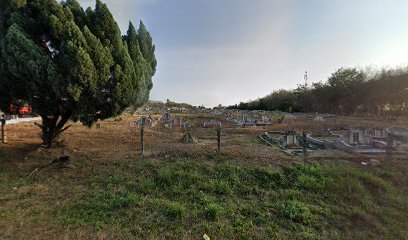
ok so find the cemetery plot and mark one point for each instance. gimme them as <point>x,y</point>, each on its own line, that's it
<point>107,171</point>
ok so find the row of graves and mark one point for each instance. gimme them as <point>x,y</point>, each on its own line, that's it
<point>359,139</point>
<point>234,117</point>
<point>146,121</point>
<point>167,120</point>
<point>289,142</point>
<point>378,140</point>
<point>170,121</point>
<point>249,119</point>
<point>178,121</point>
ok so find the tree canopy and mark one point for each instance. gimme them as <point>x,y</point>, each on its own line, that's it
<point>347,91</point>
<point>68,63</point>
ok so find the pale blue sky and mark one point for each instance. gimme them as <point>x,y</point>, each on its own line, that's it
<point>227,51</point>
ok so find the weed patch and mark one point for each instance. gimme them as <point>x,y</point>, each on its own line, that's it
<point>308,201</point>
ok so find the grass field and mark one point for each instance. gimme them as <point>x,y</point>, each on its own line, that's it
<point>183,191</point>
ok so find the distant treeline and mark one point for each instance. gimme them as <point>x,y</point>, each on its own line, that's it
<point>167,104</point>
<point>347,91</point>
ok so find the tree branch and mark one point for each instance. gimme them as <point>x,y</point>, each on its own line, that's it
<point>66,128</point>
<point>64,119</point>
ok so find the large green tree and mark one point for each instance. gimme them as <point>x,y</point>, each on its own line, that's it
<point>347,91</point>
<point>71,64</point>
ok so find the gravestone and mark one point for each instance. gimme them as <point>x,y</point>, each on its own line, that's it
<point>188,138</point>
<point>291,139</point>
<point>178,121</point>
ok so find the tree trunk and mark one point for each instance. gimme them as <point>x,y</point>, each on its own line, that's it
<point>52,128</point>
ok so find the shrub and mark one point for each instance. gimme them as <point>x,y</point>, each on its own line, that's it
<point>213,211</point>
<point>175,210</point>
<point>264,178</point>
<point>222,188</point>
<point>295,211</point>
<point>146,186</point>
<point>308,182</point>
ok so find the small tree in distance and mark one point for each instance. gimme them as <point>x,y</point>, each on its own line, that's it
<point>71,64</point>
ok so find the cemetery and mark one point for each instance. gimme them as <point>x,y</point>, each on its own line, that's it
<point>359,140</point>
<point>290,142</point>
<point>235,145</point>
<point>148,121</point>
<point>151,143</point>
<point>333,133</point>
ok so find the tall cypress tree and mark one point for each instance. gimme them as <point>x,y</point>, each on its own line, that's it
<point>67,63</point>
<point>139,63</point>
<point>147,48</point>
<point>78,12</point>
<point>3,7</point>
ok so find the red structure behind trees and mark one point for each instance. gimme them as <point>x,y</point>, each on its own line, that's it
<point>20,110</point>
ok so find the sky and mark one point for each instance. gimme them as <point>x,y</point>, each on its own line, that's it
<point>214,52</point>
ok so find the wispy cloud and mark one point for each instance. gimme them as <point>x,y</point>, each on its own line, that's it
<point>227,51</point>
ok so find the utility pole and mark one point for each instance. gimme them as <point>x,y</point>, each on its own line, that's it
<point>306,78</point>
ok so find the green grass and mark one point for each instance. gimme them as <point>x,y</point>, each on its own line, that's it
<point>186,199</point>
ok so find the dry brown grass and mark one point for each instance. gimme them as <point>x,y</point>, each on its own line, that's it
<point>117,144</point>
<point>117,140</point>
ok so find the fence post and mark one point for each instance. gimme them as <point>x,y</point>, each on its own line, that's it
<point>304,141</point>
<point>219,139</point>
<point>142,135</point>
<point>3,131</point>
